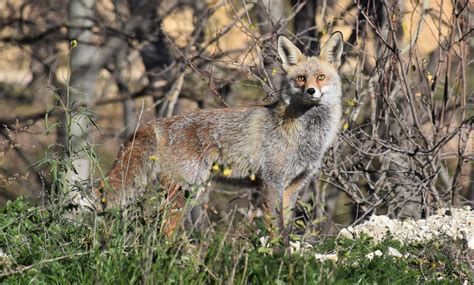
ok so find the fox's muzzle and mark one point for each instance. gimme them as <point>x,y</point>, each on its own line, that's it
<point>313,94</point>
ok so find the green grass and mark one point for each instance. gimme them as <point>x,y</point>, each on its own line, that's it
<point>43,247</point>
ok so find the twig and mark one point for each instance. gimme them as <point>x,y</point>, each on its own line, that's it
<point>22,269</point>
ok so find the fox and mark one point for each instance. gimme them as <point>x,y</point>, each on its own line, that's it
<point>278,148</point>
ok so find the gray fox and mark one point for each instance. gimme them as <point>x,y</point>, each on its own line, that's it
<point>278,147</point>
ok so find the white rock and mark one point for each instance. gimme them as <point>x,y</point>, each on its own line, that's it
<point>470,241</point>
<point>346,233</point>
<point>441,211</point>
<point>5,259</point>
<point>457,226</point>
<point>394,252</point>
<point>324,257</point>
<point>297,246</point>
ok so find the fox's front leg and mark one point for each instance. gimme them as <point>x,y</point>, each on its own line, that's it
<point>290,195</point>
<point>272,207</point>
<point>279,203</point>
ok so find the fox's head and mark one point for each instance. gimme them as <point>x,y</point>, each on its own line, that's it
<point>312,80</point>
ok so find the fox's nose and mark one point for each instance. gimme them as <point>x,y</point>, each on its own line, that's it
<point>310,91</point>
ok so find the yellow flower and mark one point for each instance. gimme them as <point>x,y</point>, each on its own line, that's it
<point>227,171</point>
<point>215,167</point>
<point>252,177</point>
<point>153,158</point>
<point>429,76</point>
<point>345,126</point>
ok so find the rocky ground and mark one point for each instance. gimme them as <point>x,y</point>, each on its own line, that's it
<point>451,224</point>
<point>454,226</point>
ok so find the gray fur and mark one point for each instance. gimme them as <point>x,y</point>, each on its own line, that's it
<point>282,144</point>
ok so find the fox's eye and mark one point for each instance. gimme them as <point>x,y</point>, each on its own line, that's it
<point>321,77</point>
<point>300,78</point>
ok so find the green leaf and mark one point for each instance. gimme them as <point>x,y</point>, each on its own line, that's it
<point>266,250</point>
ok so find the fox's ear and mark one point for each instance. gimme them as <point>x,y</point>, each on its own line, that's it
<point>289,53</point>
<point>332,49</point>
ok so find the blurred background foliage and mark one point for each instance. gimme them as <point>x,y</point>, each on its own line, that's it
<point>406,144</point>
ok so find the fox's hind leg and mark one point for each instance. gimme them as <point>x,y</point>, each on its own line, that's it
<point>183,209</point>
<point>173,212</point>
<point>272,206</point>
<point>185,200</point>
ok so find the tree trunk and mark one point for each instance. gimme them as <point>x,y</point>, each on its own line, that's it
<point>82,83</point>
<point>86,62</point>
